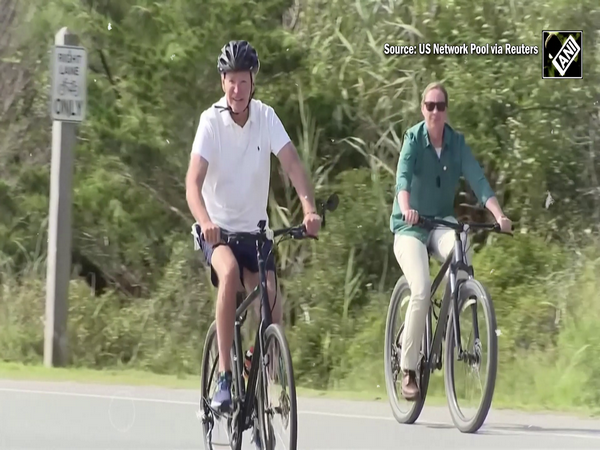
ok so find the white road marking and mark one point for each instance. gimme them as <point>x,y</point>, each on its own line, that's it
<point>108,397</point>
<point>317,413</point>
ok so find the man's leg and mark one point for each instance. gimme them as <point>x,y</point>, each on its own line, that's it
<point>412,257</point>
<point>275,297</point>
<point>225,267</point>
<point>251,280</point>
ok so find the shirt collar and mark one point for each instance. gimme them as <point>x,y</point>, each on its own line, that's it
<point>447,135</point>
<point>226,115</point>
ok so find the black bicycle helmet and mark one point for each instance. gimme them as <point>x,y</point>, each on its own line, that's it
<point>238,56</point>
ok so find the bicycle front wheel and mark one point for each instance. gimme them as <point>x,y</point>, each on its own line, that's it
<point>218,429</point>
<point>475,309</point>
<point>208,380</point>
<point>280,406</point>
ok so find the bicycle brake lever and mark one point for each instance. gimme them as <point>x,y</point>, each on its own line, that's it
<point>297,234</point>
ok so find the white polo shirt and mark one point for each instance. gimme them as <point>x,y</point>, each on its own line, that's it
<point>236,187</point>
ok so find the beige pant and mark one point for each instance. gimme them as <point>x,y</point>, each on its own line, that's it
<point>412,256</point>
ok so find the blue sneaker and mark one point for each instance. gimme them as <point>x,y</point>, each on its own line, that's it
<point>222,397</point>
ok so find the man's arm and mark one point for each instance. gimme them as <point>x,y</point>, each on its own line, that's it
<point>284,149</point>
<point>203,150</point>
<point>293,167</point>
<point>193,188</point>
<point>475,176</point>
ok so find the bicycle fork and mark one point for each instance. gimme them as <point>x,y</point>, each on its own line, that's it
<point>249,390</point>
<point>455,312</point>
<point>238,361</point>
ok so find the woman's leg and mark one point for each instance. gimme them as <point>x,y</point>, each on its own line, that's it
<point>412,257</point>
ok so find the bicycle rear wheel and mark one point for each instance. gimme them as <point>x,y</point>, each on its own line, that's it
<point>404,411</point>
<point>280,408</point>
<point>471,294</point>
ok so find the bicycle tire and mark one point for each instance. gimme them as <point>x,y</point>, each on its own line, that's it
<point>207,414</point>
<point>275,331</point>
<point>468,289</point>
<point>237,377</point>
<point>262,420</point>
<point>205,398</point>
<point>260,411</point>
<point>417,406</point>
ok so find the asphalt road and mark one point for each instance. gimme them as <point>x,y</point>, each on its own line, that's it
<point>43,415</point>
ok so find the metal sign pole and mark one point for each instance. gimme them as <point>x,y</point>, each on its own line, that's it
<point>68,107</point>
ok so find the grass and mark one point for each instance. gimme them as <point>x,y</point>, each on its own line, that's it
<point>37,372</point>
<point>34,372</point>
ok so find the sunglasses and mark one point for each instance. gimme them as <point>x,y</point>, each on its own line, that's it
<point>441,106</point>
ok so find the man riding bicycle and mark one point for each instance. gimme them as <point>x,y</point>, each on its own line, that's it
<point>227,187</point>
<point>432,159</point>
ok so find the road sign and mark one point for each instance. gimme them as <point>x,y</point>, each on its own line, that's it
<point>69,83</point>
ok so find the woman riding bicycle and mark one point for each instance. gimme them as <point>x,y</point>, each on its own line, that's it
<point>433,158</point>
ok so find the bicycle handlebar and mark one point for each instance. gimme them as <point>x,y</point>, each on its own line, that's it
<point>460,226</point>
<point>296,232</point>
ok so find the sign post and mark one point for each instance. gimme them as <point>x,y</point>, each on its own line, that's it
<point>68,107</point>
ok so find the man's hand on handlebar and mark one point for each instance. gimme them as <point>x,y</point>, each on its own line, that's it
<point>211,233</point>
<point>312,224</point>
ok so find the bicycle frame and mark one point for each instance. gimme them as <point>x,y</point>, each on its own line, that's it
<point>246,393</point>
<point>265,320</point>
<point>456,261</point>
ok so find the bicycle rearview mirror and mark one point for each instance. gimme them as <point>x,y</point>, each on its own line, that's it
<point>332,202</point>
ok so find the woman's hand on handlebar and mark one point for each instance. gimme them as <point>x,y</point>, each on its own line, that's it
<point>411,217</point>
<point>505,224</point>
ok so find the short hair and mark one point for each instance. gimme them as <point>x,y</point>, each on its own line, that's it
<point>432,86</point>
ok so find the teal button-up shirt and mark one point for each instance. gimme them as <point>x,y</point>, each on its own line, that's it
<point>432,181</point>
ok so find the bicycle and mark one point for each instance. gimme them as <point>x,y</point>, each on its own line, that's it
<point>457,296</point>
<point>249,401</point>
